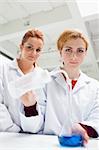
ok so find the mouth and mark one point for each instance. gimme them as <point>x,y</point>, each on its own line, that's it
<point>31,57</point>
<point>71,62</point>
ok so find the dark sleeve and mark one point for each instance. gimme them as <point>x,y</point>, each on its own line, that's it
<point>31,110</point>
<point>90,131</point>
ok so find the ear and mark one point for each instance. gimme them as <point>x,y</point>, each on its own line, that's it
<point>60,52</point>
<point>86,53</point>
<point>21,47</point>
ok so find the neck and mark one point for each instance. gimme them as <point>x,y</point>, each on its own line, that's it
<point>72,73</point>
<point>25,66</point>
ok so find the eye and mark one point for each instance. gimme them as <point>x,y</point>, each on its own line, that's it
<point>81,50</point>
<point>67,49</point>
<point>29,47</point>
<point>38,50</point>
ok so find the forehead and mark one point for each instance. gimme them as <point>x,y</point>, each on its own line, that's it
<point>75,42</point>
<point>35,41</point>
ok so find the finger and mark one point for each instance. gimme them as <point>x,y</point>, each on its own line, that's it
<point>86,138</point>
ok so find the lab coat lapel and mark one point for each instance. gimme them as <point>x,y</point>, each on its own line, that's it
<point>82,81</point>
<point>14,66</point>
<point>61,81</point>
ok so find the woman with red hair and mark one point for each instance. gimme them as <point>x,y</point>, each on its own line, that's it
<point>15,114</point>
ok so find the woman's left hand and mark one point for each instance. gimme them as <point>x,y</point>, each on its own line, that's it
<point>29,99</point>
<point>78,129</point>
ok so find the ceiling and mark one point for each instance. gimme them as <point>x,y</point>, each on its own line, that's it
<point>52,17</point>
<point>24,8</point>
<point>93,31</point>
<point>23,15</point>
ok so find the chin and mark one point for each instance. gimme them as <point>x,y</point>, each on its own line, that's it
<point>31,59</point>
<point>73,65</point>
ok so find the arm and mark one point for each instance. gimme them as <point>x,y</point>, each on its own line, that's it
<point>6,123</point>
<point>91,123</point>
<point>90,126</point>
<point>90,131</point>
<point>34,109</point>
<point>31,110</point>
<point>85,131</point>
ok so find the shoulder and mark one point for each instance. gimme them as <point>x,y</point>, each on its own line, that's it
<point>94,82</point>
<point>89,80</point>
<point>11,65</point>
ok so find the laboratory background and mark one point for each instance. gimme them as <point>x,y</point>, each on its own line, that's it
<point>52,17</point>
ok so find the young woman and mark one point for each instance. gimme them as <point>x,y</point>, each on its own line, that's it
<point>15,114</point>
<point>73,100</point>
<point>80,105</point>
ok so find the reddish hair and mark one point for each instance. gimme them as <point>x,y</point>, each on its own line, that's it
<point>32,33</point>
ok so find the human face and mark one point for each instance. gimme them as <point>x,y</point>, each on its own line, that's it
<point>73,53</point>
<point>31,49</point>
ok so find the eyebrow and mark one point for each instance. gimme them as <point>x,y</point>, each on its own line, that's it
<point>67,47</point>
<point>29,44</point>
<point>33,46</point>
<point>81,47</point>
<point>72,47</point>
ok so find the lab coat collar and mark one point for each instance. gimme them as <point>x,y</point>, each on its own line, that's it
<point>14,65</point>
<point>60,78</point>
<point>82,81</point>
<point>61,81</point>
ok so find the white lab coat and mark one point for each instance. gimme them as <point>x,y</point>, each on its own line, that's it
<point>82,108</point>
<point>53,104</point>
<point>12,118</point>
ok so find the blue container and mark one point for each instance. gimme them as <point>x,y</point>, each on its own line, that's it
<point>71,141</point>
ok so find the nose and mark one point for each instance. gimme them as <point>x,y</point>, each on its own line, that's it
<point>73,55</point>
<point>34,52</point>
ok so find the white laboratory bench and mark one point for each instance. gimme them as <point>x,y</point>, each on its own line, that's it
<point>21,141</point>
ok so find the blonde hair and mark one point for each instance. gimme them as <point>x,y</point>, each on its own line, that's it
<point>68,35</point>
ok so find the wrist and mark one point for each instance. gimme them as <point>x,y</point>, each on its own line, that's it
<point>31,110</point>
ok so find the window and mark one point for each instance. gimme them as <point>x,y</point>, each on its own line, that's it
<point>88,7</point>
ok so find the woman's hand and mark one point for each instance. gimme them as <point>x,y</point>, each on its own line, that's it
<point>29,99</point>
<point>78,129</point>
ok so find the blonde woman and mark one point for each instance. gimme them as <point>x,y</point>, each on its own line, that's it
<point>83,107</point>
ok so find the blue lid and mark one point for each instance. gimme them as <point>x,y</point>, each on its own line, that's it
<point>71,141</point>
